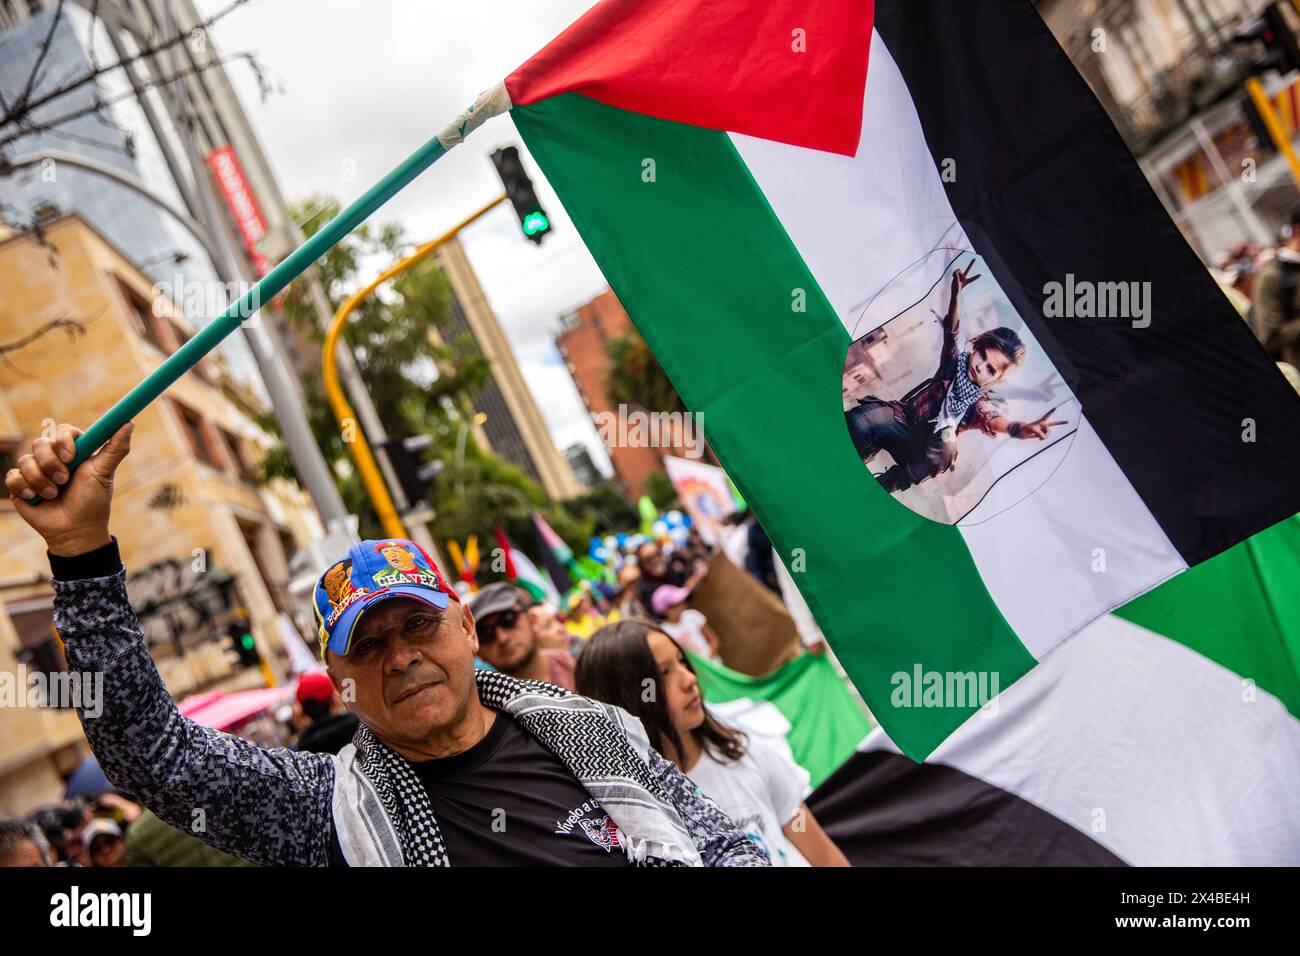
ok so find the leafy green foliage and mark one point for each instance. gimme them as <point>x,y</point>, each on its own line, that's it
<point>635,377</point>
<point>661,491</point>
<point>421,385</point>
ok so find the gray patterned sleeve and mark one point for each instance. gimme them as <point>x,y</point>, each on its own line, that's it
<point>268,806</point>
<point>719,841</point>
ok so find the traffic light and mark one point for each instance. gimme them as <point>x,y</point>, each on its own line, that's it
<point>519,190</point>
<point>1276,45</point>
<point>241,641</point>
<point>413,474</point>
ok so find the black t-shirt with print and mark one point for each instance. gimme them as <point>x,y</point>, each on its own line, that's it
<point>508,801</point>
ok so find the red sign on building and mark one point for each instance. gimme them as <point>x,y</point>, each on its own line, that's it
<point>242,204</point>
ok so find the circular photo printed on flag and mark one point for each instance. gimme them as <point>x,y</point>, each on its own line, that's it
<point>949,399</point>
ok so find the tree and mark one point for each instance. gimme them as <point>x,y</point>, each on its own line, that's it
<point>661,491</point>
<point>420,386</point>
<point>390,336</point>
<point>607,506</point>
<point>635,377</point>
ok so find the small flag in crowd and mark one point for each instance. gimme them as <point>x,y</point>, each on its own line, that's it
<point>900,288</point>
<point>520,570</point>
<point>556,555</point>
<point>465,561</point>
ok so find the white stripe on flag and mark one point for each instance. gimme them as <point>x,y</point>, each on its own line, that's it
<point>1156,752</point>
<point>860,222</point>
<point>525,570</point>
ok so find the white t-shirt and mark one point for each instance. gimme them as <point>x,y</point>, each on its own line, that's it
<point>760,792</point>
<point>689,632</point>
<point>735,545</point>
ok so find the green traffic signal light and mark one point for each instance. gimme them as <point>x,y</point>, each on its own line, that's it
<point>535,223</point>
<point>247,641</point>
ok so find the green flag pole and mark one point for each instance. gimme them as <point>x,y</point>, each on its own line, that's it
<point>488,104</point>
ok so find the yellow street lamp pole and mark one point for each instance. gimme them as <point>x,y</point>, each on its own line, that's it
<point>357,445</point>
<point>1264,106</point>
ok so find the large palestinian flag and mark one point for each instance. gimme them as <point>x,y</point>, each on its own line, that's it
<point>940,331</point>
<point>1166,734</point>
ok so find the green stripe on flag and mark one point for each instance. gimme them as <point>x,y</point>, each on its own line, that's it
<point>1241,609</point>
<point>711,279</point>
<point>826,722</point>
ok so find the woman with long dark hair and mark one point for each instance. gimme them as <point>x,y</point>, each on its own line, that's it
<point>638,667</point>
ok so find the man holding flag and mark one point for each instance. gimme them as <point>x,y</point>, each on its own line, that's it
<point>444,754</point>
<point>754,179</point>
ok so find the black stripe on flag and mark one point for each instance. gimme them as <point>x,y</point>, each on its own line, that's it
<point>1046,189</point>
<point>882,809</point>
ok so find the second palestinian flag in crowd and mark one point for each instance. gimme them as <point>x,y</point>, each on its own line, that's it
<point>521,572</point>
<point>940,331</point>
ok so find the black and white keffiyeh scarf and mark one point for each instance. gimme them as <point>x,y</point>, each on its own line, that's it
<point>602,746</point>
<point>962,394</point>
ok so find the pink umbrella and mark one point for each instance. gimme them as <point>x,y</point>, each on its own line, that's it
<point>198,701</point>
<point>226,710</point>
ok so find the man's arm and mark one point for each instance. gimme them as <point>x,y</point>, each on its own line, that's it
<point>951,322</point>
<point>719,841</point>
<point>268,806</point>
<point>984,416</point>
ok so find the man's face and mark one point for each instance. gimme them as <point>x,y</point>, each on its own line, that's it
<point>987,366</point>
<point>550,632</point>
<point>399,558</point>
<point>26,854</point>
<point>409,674</point>
<point>108,850</point>
<point>509,640</point>
<point>76,847</point>
<point>651,560</point>
<point>335,577</point>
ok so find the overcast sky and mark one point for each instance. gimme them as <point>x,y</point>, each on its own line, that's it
<point>361,83</point>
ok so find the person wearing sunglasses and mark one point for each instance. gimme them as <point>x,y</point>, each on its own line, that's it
<point>507,637</point>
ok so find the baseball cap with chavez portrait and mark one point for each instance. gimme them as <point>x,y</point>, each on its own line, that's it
<point>374,571</point>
